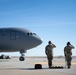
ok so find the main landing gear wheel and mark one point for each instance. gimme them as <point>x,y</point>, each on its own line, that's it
<point>21,58</point>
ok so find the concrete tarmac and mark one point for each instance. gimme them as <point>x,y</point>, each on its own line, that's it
<point>15,67</point>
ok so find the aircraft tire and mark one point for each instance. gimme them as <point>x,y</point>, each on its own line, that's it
<point>21,58</point>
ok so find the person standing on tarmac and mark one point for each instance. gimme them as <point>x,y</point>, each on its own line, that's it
<point>49,52</point>
<point>68,53</point>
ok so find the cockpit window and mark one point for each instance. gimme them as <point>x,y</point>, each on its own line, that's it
<point>28,34</point>
<point>31,33</point>
<point>34,33</point>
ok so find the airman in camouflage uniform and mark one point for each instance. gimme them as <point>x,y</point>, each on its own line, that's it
<point>68,53</point>
<point>49,53</point>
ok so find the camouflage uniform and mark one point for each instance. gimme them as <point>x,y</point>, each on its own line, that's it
<point>49,53</point>
<point>68,53</point>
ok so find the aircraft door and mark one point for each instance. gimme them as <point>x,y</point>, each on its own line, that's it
<point>13,35</point>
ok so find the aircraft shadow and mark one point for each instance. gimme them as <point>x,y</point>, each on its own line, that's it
<point>28,68</point>
<point>22,69</point>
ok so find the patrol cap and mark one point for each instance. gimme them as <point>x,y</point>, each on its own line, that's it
<point>68,43</point>
<point>49,42</point>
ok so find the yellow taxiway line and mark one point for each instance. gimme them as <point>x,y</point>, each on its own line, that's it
<point>74,63</point>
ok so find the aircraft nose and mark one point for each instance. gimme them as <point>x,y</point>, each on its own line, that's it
<point>35,40</point>
<point>39,41</point>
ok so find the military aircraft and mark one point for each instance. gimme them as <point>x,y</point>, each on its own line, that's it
<point>18,39</point>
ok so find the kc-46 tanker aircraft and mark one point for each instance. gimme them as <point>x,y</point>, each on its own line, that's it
<point>18,39</point>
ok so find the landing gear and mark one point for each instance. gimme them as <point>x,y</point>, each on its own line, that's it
<point>22,58</point>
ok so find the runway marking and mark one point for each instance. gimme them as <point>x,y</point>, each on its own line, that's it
<point>74,63</point>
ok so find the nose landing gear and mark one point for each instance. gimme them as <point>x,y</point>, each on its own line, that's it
<point>22,58</point>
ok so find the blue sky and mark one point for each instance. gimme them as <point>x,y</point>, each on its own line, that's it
<point>53,20</point>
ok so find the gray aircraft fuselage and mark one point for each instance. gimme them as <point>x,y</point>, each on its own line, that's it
<point>17,39</point>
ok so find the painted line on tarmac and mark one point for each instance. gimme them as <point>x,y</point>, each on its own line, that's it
<point>74,63</point>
